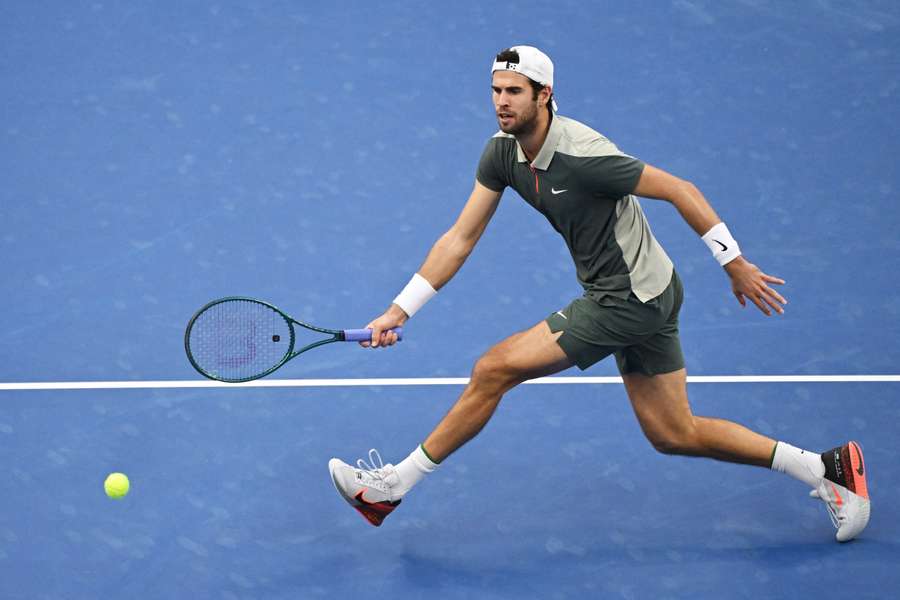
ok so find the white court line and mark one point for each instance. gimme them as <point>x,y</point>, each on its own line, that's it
<point>406,381</point>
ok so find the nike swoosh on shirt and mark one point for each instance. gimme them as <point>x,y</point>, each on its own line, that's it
<point>555,191</point>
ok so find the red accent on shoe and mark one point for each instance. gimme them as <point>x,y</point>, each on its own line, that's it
<point>374,512</point>
<point>837,495</point>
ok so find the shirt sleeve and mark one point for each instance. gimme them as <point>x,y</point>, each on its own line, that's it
<point>489,173</point>
<point>614,175</point>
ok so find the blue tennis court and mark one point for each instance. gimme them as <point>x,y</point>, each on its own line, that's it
<point>159,155</point>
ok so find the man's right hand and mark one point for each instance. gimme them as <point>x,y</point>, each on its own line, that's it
<point>381,336</point>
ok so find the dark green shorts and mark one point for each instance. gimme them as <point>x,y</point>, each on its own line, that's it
<point>642,335</point>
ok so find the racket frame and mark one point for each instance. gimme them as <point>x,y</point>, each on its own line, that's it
<point>337,335</point>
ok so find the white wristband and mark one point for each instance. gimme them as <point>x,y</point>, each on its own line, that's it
<point>414,296</point>
<point>724,247</point>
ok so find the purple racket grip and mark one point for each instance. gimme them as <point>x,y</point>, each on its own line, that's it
<point>364,335</point>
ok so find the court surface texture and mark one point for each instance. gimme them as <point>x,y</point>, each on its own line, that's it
<point>157,155</point>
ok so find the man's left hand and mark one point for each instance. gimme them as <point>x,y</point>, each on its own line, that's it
<point>747,281</point>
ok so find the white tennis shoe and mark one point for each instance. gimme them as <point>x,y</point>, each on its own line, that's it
<point>844,490</point>
<point>370,489</point>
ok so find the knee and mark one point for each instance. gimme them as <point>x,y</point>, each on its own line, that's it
<point>493,371</point>
<point>672,441</point>
<point>667,445</point>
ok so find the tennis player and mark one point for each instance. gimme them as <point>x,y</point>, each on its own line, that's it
<point>586,187</point>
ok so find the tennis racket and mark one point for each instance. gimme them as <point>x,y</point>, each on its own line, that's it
<point>240,339</point>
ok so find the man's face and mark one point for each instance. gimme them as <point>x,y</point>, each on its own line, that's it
<point>514,103</point>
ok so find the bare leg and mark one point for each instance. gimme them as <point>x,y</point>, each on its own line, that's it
<point>661,406</point>
<point>523,356</point>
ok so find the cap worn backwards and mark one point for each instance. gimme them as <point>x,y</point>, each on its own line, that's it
<point>533,64</point>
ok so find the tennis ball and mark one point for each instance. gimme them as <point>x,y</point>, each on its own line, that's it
<point>116,485</point>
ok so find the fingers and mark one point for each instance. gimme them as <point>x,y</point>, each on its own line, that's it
<point>383,339</point>
<point>770,293</point>
<point>368,343</point>
<point>757,300</point>
<point>774,304</point>
<point>774,294</point>
<point>376,335</point>
<point>381,336</point>
<point>382,328</point>
<point>754,285</point>
<point>767,298</point>
<point>388,338</point>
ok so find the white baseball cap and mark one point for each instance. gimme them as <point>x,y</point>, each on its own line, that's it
<point>533,64</point>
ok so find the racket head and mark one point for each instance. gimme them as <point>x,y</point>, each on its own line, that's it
<point>238,339</point>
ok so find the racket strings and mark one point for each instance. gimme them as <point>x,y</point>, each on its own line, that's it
<point>239,339</point>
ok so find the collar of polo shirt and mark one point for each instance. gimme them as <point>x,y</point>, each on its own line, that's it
<point>551,143</point>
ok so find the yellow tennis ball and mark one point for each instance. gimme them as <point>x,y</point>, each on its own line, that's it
<point>116,485</point>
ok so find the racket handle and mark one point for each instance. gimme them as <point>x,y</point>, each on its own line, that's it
<point>364,335</point>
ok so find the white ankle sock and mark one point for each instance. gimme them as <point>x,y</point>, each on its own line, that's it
<point>800,464</point>
<point>412,470</point>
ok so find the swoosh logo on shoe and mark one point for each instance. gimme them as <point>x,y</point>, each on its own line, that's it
<point>362,500</point>
<point>724,247</point>
<point>555,191</point>
<point>378,506</point>
<point>860,469</point>
<point>838,500</point>
<point>374,512</point>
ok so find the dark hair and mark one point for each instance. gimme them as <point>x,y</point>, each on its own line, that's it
<point>510,55</point>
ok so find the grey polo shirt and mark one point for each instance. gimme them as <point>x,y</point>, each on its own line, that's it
<point>582,183</point>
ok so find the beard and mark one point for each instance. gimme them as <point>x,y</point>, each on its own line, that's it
<point>525,123</point>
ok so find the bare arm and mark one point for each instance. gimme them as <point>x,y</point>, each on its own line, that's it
<point>453,248</point>
<point>747,280</point>
<point>684,195</point>
<point>446,257</point>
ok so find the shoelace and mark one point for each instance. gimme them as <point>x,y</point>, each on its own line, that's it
<point>832,511</point>
<point>371,469</point>
<point>373,456</point>
<point>833,514</point>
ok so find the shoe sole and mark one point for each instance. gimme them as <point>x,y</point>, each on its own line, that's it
<point>857,479</point>
<point>856,485</point>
